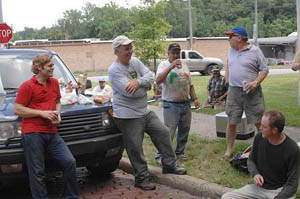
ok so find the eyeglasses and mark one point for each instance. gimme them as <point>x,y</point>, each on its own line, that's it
<point>230,36</point>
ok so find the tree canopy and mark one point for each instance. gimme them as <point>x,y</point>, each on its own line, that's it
<point>151,27</point>
<point>210,18</point>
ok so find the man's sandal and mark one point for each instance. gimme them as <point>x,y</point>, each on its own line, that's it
<point>225,157</point>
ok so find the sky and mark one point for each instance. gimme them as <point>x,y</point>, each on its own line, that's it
<point>38,13</point>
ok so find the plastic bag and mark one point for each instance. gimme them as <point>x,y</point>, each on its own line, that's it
<point>84,100</point>
<point>68,98</point>
<point>239,161</point>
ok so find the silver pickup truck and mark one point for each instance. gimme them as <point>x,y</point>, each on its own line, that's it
<point>195,61</point>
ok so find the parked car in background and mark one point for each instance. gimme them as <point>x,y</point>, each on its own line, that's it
<point>87,128</point>
<point>195,62</point>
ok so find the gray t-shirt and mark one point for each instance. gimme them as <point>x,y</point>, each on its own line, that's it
<point>245,65</point>
<point>126,105</point>
<point>176,86</point>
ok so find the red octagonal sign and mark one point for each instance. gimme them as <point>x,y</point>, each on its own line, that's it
<point>5,33</point>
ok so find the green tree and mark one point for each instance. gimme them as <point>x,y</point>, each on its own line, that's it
<point>151,29</point>
<point>279,27</point>
<point>111,21</point>
<point>74,25</point>
<point>176,13</point>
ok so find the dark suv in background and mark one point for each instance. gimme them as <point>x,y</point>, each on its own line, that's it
<point>88,129</point>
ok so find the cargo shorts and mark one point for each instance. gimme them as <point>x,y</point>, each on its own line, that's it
<point>238,101</point>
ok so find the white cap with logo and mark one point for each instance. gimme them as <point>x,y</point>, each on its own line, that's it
<point>121,40</point>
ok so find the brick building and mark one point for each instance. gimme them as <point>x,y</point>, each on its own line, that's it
<point>89,55</point>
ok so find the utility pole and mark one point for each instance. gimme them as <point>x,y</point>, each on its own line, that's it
<point>190,25</point>
<point>298,25</point>
<point>1,20</point>
<point>255,26</point>
<point>1,15</point>
<point>298,42</point>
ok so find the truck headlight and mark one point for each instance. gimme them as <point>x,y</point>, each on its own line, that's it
<point>105,119</point>
<point>9,129</point>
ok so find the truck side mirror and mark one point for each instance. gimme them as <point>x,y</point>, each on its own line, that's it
<point>88,84</point>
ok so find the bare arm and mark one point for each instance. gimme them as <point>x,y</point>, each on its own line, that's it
<point>253,85</point>
<point>295,66</point>
<point>58,109</point>
<point>226,73</point>
<point>194,96</point>
<point>26,112</point>
<point>163,75</point>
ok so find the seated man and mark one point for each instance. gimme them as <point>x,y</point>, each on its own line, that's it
<point>216,90</point>
<point>103,92</point>
<point>273,163</point>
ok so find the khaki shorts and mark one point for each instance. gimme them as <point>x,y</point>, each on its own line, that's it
<point>238,101</point>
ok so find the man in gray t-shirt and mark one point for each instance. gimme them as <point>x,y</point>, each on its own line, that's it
<point>246,69</point>
<point>130,81</point>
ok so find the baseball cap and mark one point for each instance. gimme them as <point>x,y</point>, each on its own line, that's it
<point>216,67</point>
<point>174,46</point>
<point>238,30</point>
<point>121,40</point>
<point>102,79</point>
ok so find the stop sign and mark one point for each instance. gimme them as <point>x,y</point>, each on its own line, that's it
<point>5,33</point>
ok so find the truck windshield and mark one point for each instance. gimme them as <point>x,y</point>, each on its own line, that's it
<point>16,69</point>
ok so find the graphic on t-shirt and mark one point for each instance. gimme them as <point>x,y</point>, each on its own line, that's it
<point>172,76</point>
<point>187,77</point>
<point>179,79</point>
<point>133,75</point>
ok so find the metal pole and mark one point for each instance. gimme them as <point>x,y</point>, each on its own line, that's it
<point>190,24</point>
<point>255,28</point>
<point>298,42</point>
<point>298,25</point>
<point>1,20</point>
<point>1,15</point>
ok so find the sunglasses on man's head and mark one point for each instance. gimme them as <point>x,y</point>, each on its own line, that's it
<point>230,36</point>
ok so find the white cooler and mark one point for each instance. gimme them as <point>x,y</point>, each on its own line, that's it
<point>244,131</point>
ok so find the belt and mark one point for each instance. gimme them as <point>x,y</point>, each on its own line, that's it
<point>177,102</point>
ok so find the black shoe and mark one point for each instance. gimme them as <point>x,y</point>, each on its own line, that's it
<point>176,170</point>
<point>145,186</point>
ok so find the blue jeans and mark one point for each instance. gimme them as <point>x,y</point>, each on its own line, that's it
<point>178,116</point>
<point>36,146</point>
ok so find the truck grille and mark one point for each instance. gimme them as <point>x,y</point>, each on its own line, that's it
<point>87,125</point>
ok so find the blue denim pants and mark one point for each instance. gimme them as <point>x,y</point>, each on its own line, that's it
<point>178,116</point>
<point>36,146</point>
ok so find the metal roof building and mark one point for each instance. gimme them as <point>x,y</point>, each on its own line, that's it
<point>278,48</point>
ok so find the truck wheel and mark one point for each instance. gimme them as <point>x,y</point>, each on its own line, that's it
<point>208,70</point>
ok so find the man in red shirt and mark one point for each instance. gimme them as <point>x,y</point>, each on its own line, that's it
<point>38,103</point>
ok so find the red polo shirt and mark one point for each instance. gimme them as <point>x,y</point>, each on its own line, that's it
<point>34,95</point>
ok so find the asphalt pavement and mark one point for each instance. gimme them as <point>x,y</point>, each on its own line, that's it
<point>272,72</point>
<point>204,125</point>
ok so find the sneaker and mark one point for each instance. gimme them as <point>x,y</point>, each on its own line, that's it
<point>176,170</point>
<point>158,161</point>
<point>181,157</point>
<point>145,185</point>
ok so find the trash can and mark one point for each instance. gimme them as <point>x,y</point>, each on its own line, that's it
<point>244,131</point>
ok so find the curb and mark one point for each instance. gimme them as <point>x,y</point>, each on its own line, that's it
<point>189,184</point>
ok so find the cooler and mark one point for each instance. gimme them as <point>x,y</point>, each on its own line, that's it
<point>244,131</point>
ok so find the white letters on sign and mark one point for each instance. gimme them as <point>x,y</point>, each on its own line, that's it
<point>5,33</point>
